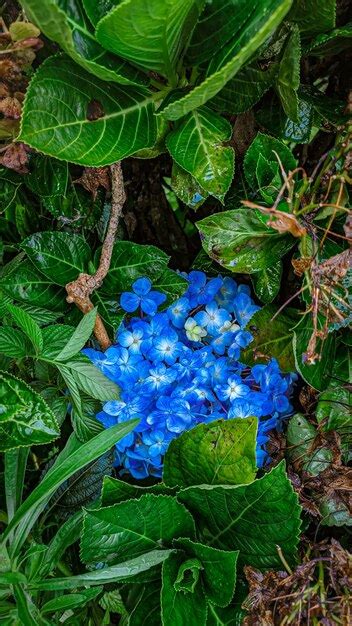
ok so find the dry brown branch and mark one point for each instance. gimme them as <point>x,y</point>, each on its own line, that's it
<point>80,290</point>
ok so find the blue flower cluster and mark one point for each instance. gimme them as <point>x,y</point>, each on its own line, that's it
<point>181,366</point>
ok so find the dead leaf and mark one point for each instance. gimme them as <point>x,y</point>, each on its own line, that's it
<point>10,107</point>
<point>16,158</point>
<point>279,220</point>
<point>94,110</point>
<point>93,178</point>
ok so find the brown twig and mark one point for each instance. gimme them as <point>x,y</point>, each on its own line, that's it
<point>80,290</point>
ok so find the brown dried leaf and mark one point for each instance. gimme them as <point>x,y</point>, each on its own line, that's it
<point>279,220</point>
<point>93,178</point>
<point>301,265</point>
<point>16,158</point>
<point>9,128</point>
<point>10,107</point>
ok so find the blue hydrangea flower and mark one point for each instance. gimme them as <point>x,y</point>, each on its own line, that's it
<point>182,366</point>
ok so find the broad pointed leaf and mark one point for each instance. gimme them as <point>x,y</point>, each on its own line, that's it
<point>219,453</point>
<point>288,80</point>
<point>14,342</point>
<point>177,605</point>
<point>261,22</point>
<point>317,374</point>
<point>197,146</point>
<point>64,21</point>
<point>26,284</point>
<point>313,17</point>
<point>244,90</point>
<point>25,418</point>
<point>187,188</point>
<point>150,33</point>
<point>273,150</point>
<point>253,518</point>
<point>266,283</point>
<point>60,256</point>
<point>334,42</point>
<point>115,491</point>
<point>241,242</point>
<point>132,528</point>
<point>90,380</point>
<point>80,336</point>
<point>28,325</point>
<point>99,127</point>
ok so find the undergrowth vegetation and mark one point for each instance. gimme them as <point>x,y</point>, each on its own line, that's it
<point>175,297</point>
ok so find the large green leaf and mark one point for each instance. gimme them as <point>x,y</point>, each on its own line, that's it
<point>48,177</point>
<point>89,124</point>
<point>261,22</point>
<point>244,90</point>
<point>288,79</point>
<point>28,325</point>
<point>116,573</point>
<point>331,43</point>
<point>266,283</point>
<point>253,518</point>
<point>150,33</point>
<point>241,242</point>
<point>197,146</point>
<point>26,284</point>
<point>74,457</point>
<point>55,338</point>
<point>96,10</point>
<point>115,491</point>
<point>58,255</point>
<point>64,22</point>
<point>313,16</point>
<point>317,375</point>
<point>131,528</point>
<point>272,338</point>
<point>272,117</point>
<point>219,453</point>
<point>178,604</point>
<point>271,149</point>
<point>25,418</point>
<point>130,261</point>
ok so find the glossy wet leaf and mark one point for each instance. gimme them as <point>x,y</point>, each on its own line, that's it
<point>272,338</point>
<point>288,80</point>
<point>244,90</point>
<point>9,187</point>
<point>313,17</point>
<point>271,505</point>
<point>48,177</point>
<point>268,147</point>
<point>177,605</point>
<point>187,188</point>
<point>25,418</point>
<point>115,491</point>
<point>197,146</point>
<point>96,10</point>
<point>58,255</point>
<point>272,117</point>
<point>172,284</point>
<point>239,241</point>
<point>150,33</point>
<point>219,453</point>
<point>318,375</point>
<point>266,283</point>
<point>98,127</point>
<point>134,527</point>
<point>64,22</point>
<point>261,22</point>
<point>333,42</point>
<point>26,284</point>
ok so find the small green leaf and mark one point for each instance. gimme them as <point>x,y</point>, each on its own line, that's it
<point>99,128</point>
<point>219,570</point>
<point>48,177</point>
<point>301,435</point>
<point>318,374</point>
<point>54,339</point>
<point>270,505</point>
<point>219,453</point>
<point>179,606</point>
<point>172,284</point>
<point>25,418</point>
<point>90,380</point>
<point>288,80</point>
<point>266,283</point>
<point>132,528</point>
<point>28,285</point>
<point>272,338</point>
<point>80,336</point>
<point>197,146</point>
<point>14,343</point>
<point>329,44</point>
<point>131,261</point>
<point>269,148</point>
<point>28,325</point>
<point>115,491</point>
<point>334,410</point>
<point>70,601</point>
<point>186,188</point>
<point>239,241</point>
<point>58,255</point>
<point>312,16</point>
<point>150,33</point>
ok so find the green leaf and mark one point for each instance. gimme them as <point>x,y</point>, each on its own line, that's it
<point>328,44</point>
<point>70,601</point>
<point>244,90</point>
<point>130,261</point>
<point>115,491</point>
<point>132,528</point>
<point>179,606</point>
<point>14,343</point>
<point>172,284</point>
<point>219,570</point>
<point>186,188</point>
<point>48,177</point>
<point>64,22</point>
<point>150,33</point>
<point>241,242</point>
<point>8,190</point>
<point>97,10</point>
<point>301,435</point>
<point>14,477</point>
<point>26,284</point>
<point>197,146</point>
<point>318,374</point>
<point>58,255</point>
<point>90,380</point>
<point>100,127</point>
<point>232,615</point>
<point>28,325</point>
<point>25,418</point>
<point>67,534</point>
<point>273,119</point>
<point>80,336</point>
<point>288,79</point>
<point>112,574</point>
<point>145,604</point>
<point>54,339</point>
<point>266,283</point>
<point>269,148</point>
<point>65,467</point>
<point>219,453</point>
<point>330,109</point>
<point>333,410</point>
<point>261,23</point>
<point>312,16</point>
<point>73,389</point>
<point>268,504</point>
<point>27,612</point>
<point>272,338</point>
